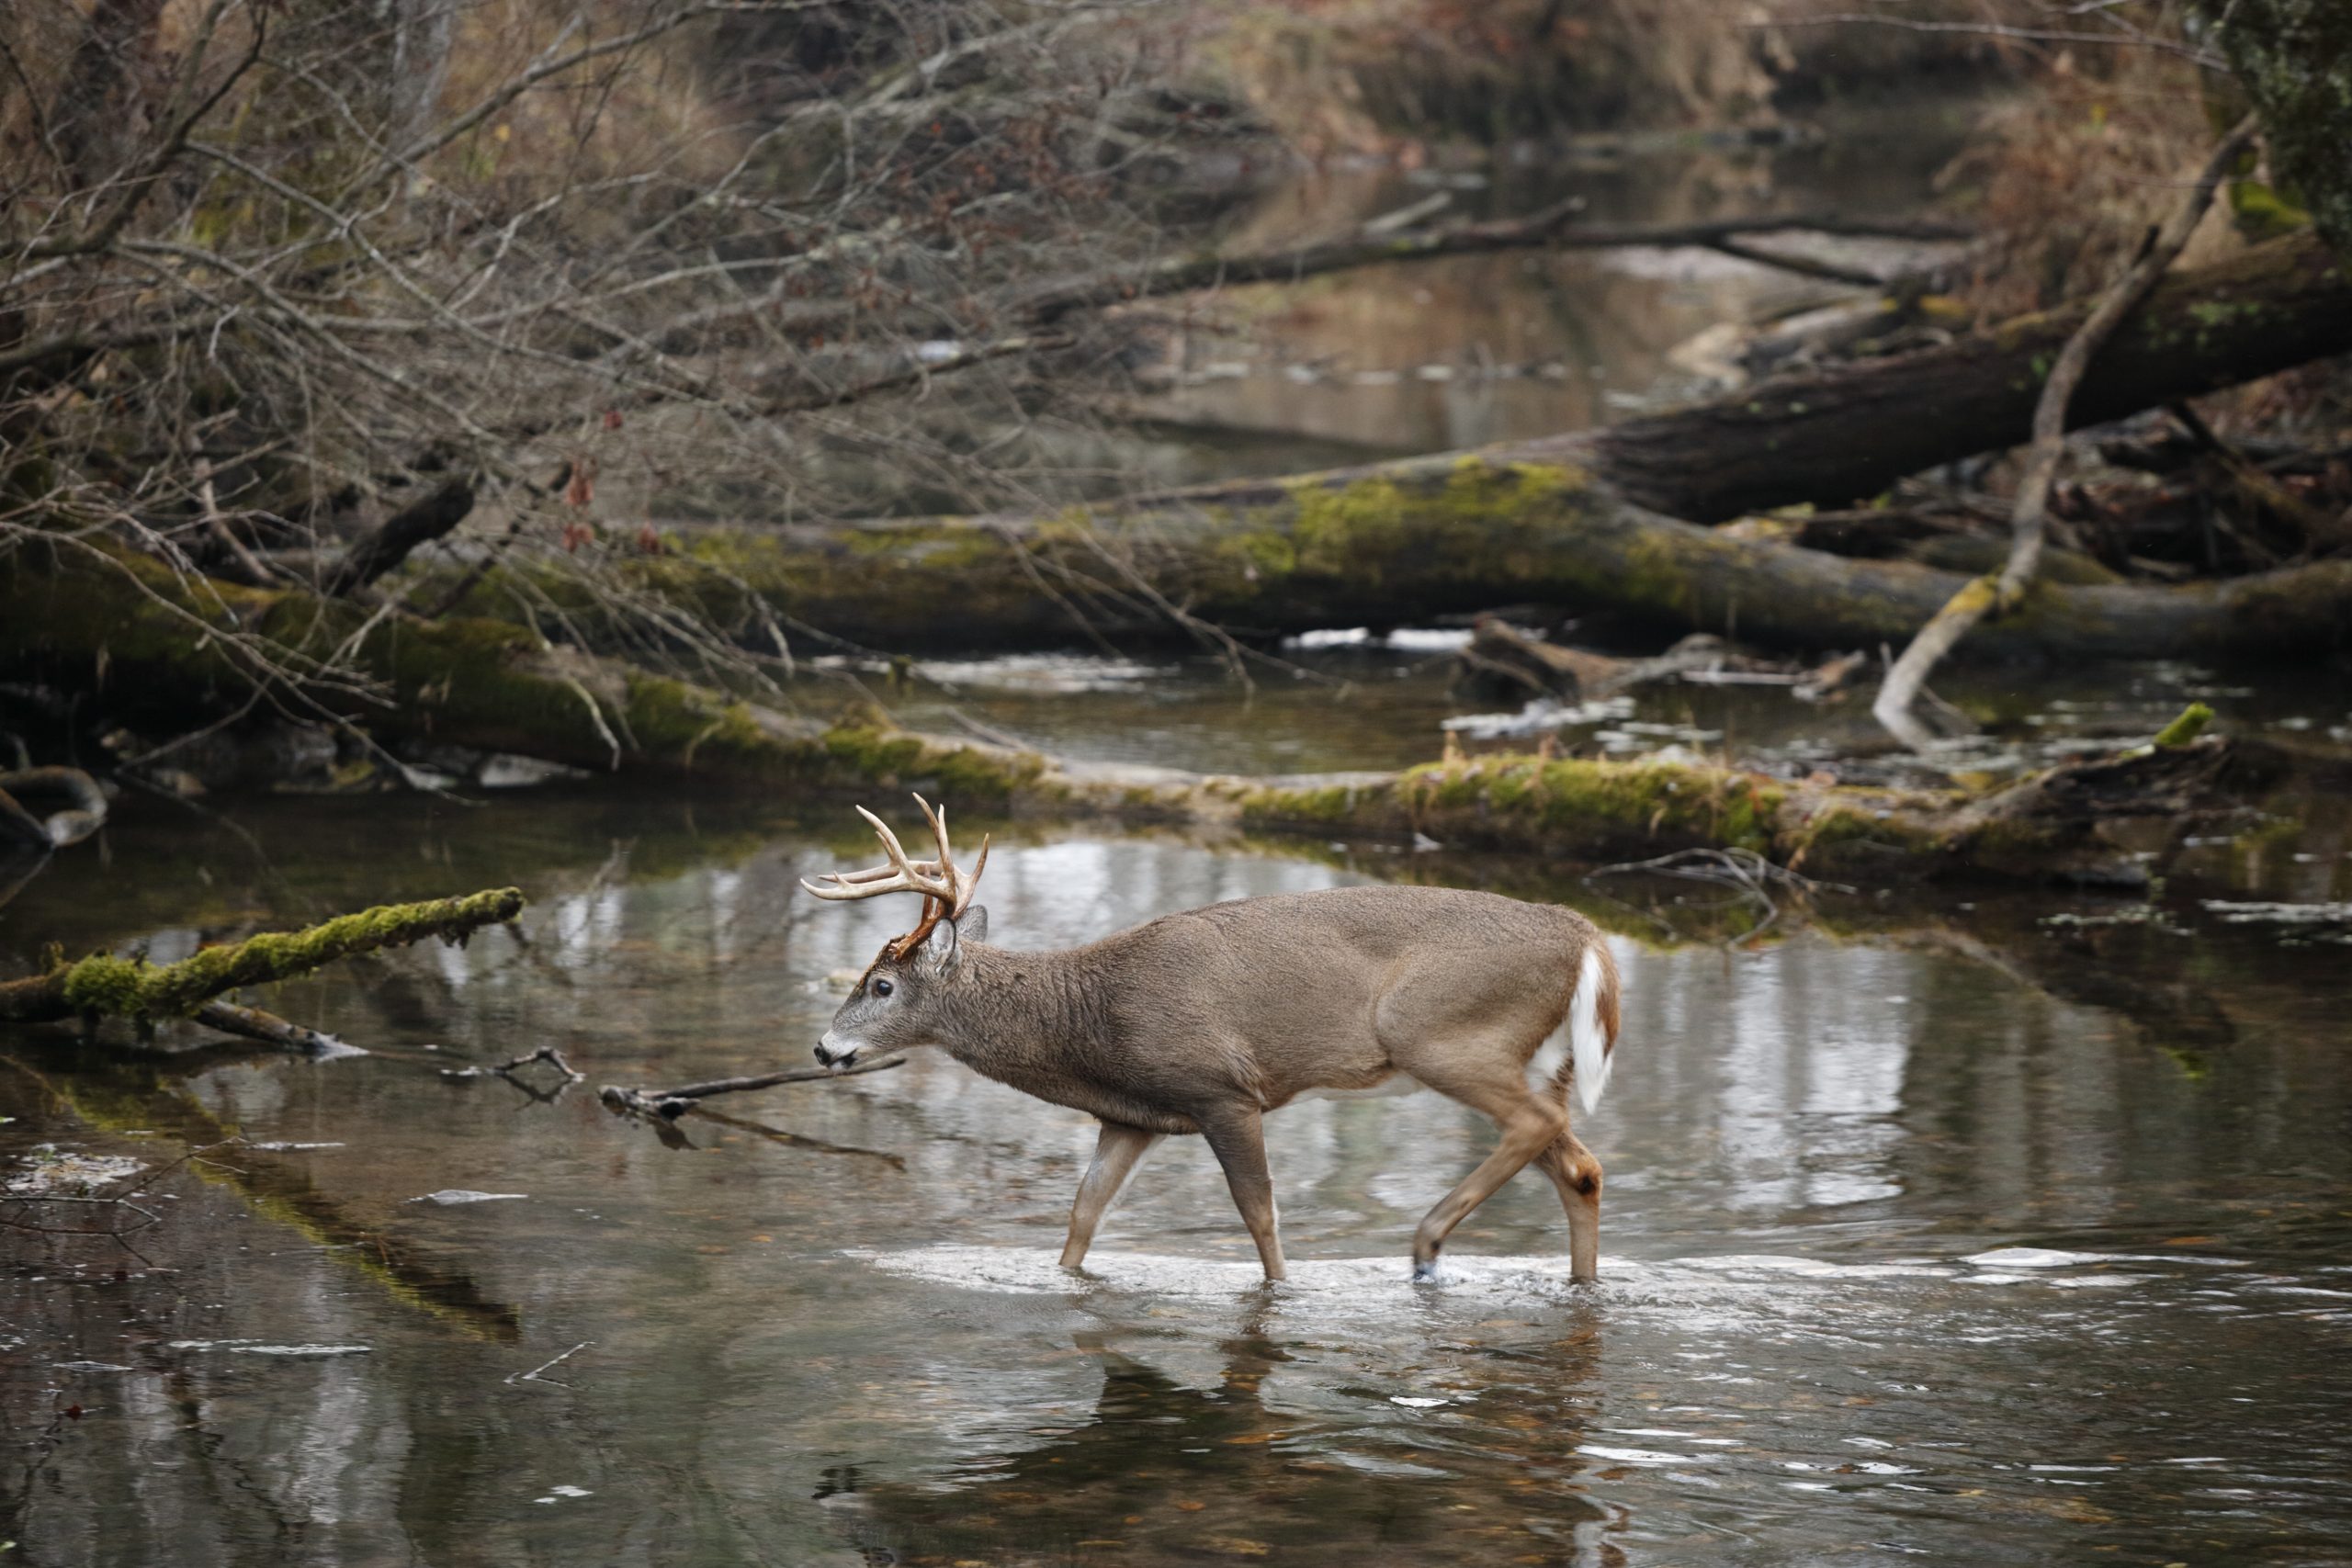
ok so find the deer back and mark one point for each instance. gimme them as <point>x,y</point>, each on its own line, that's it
<point>1265,998</point>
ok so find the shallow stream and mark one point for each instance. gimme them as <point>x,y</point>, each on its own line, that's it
<point>1984,1226</point>
<point>2012,1231</point>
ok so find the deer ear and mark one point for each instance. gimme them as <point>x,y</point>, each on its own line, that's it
<point>973,926</point>
<point>939,949</point>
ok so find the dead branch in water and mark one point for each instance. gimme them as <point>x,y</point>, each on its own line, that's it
<point>671,1103</point>
<point>2030,519</point>
<point>84,813</point>
<point>102,985</point>
<point>546,1053</point>
<point>255,1023</point>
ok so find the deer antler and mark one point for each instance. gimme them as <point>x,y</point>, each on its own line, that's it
<point>947,890</point>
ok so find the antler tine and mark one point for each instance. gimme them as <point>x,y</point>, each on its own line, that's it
<point>938,820</point>
<point>947,891</point>
<point>890,845</point>
<point>967,885</point>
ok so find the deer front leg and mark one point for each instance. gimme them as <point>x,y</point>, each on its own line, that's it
<point>1116,1150</point>
<point>1238,1139</point>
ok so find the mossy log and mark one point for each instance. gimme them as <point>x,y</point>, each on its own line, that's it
<point>1584,520</point>
<point>487,685</point>
<point>1399,544</point>
<point>104,984</point>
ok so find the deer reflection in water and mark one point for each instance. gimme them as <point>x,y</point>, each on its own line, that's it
<point>1162,1471</point>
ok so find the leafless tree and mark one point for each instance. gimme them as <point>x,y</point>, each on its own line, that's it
<point>291,289</point>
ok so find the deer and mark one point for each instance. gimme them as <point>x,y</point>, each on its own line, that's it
<point>1204,1022</point>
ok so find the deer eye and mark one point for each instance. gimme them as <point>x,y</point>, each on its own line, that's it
<point>882,988</point>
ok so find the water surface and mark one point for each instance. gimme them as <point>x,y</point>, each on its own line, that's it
<point>2014,1232</point>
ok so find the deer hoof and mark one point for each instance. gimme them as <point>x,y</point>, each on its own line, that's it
<point>1425,1274</point>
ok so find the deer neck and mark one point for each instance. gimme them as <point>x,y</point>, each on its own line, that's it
<point>1019,1016</point>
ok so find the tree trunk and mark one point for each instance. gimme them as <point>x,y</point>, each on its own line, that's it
<point>492,686</point>
<point>1403,542</point>
<point>2294,57</point>
<point>1847,432</point>
<point>1573,520</point>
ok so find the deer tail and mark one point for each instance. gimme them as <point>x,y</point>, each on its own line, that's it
<point>1593,1023</point>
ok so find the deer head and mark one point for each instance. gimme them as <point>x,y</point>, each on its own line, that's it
<point>886,1009</point>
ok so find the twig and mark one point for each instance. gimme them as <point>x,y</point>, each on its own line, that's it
<point>2029,517</point>
<point>546,1053</point>
<point>1747,874</point>
<point>1804,267</point>
<point>533,1375</point>
<point>671,1103</point>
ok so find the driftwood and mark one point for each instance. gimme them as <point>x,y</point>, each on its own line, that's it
<point>134,989</point>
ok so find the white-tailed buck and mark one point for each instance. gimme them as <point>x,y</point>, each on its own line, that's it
<point>1204,1022</point>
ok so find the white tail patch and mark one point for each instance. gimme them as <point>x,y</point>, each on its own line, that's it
<point>1579,1040</point>
<point>1586,1044</point>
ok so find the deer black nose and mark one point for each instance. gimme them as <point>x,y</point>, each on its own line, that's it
<point>824,1058</point>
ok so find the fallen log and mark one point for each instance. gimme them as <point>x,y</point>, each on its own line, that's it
<point>1397,545</point>
<point>1847,432</point>
<point>1571,520</point>
<point>131,989</point>
<point>1554,228</point>
<point>492,686</point>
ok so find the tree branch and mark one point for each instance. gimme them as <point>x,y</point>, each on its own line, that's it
<point>130,987</point>
<point>2029,520</point>
<point>390,543</point>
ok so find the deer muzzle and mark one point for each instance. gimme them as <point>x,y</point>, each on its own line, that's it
<point>834,1052</point>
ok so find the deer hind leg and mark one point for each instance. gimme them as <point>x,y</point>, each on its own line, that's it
<point>1490,1082</point>
<point>1576,1175</point>
<point>1238,1137</point>
<point>1117,1151</point>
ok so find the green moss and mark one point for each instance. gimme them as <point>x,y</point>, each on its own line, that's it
<point>106,985</point>
<point>869,750</point>
<point>1571,806</point>
<point>2185,729</point>
<point>127,988</point>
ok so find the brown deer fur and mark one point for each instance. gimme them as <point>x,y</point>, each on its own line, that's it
<point>1203,1022</point>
